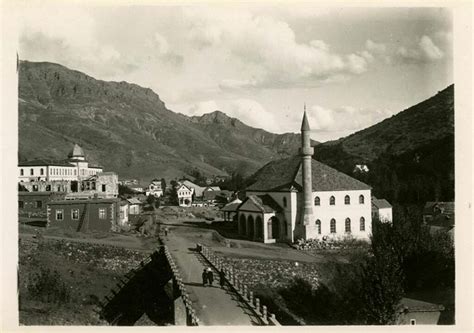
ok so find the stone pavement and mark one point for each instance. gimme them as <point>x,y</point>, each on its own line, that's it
<point>213,305</point>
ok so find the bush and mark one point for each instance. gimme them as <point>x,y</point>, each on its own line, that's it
<point>47,286</point>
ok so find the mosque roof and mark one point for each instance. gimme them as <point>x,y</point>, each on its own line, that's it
<point>286,175</point>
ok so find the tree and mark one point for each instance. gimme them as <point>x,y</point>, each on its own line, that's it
<point>124,190</point>
<point>163,185</point>
<point>150,199</point>
<point>382,277</point>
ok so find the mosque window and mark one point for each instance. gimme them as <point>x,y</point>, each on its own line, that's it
<point>332,200</point>
<point>362,224</point>
<point>318,226</point>
<point>348,225</point>
<point>347,200</point>
<point>41,171</point>
<point>21,172</point>
<point>31,172</point>
<point>333,226</point>
<point>317,201</point>
<point>284,202</point>
<point>361,199</point>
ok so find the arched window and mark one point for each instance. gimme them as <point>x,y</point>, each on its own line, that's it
<point>348,225</point>
<point>284,202</point>
<point>347,200</point>
<point>333,226</point>
<point>41,171</point>
<point>361,199</point>
<point>317,201</point>
<point>31,172</point>
<point>332,200</point>
<point>21,172</point>
<point>362,224</point>
<point>318,226</point>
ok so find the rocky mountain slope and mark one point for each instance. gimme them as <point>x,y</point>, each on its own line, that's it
<point>410,155</point>
<point>127,128</point>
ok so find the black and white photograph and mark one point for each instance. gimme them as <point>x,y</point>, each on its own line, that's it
<point>237,164</point>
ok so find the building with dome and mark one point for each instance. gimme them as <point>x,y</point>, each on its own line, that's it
<point>302,198</point>
<point>74,168</point>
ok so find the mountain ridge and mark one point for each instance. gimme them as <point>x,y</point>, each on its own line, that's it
<point>130,129</point>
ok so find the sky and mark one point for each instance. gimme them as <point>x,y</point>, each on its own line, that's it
<point>351,67</point>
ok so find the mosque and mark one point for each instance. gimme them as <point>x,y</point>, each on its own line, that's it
<point>302,198</point>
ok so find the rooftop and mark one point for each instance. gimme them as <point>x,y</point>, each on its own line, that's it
<point>285,174</point>
<point>381,203</point>
<point>76,151</point>
<point>414,305</point>
<point>45,162</point>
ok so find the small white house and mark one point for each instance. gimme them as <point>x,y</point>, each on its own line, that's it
<point>185,195</point>
<point>134,206</point>
<point>382,210</point>
<point>124,211</point>
<point>154,188</point>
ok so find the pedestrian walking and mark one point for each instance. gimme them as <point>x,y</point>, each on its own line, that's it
<point>222,278</point>
<point>204,277</point>
<point>210,276</point>
<point>166,231</point>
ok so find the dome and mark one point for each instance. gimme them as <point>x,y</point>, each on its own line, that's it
<point>76,152</point>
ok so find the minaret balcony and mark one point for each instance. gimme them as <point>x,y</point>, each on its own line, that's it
<point>306,151</point>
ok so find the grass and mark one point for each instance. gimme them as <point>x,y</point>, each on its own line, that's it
<point>60,282</point>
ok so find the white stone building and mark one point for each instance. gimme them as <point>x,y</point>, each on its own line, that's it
<point>185,195</point>
<point>382,210</point>
<point>75,168</point>
<point>154,188</point>
<point>300,197</point>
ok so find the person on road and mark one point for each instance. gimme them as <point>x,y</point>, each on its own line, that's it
<point>210,276</point>
<point>204,277</point>
<point>166,231</point>
<point>222,278</point>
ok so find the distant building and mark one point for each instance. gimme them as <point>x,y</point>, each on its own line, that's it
<point>416,312</point>
<point>185,195</point>
<point>197,190</point>
<point>439,216</point>
<point>154,188</point>
<point>135,206</point>
<point>212,188</point>
<point>214,197</point>
<point>101,185</point>
<point>84,215</point>
<point>382,210</point>
<point>361,168</point>
<point>124,211</point>
<point>74,168</point>
<point>229,211</point>
<point>302,198</point>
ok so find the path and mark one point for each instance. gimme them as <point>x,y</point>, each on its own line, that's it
<point>213,305</point>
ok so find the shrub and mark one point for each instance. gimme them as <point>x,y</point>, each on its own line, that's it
<point>47,286</point>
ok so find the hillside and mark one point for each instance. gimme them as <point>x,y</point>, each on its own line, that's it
<point>127,128</point>
<point>410,155</point>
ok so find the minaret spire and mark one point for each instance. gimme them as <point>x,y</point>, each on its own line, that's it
<point>306,227</point>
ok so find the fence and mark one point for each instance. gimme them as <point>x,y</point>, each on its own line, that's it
<point>240,287</point>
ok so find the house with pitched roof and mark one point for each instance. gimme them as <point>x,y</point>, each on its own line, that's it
<point>382,210</point>
<point>302,198</point>
<point>185,195</point>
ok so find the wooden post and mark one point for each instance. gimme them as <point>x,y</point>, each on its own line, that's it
<point>264,312</point>
<point>257,304</point>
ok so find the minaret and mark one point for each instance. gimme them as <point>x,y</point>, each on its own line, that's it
<point>306,227</point>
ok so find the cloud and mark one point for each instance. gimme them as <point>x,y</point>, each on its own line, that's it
<point>378,48</point>
<point>424,52</point>
<point>344,118</point>
<point>269,47</point>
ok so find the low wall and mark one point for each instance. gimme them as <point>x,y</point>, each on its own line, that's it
<point>167,275</point>
<point>239,286</point>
